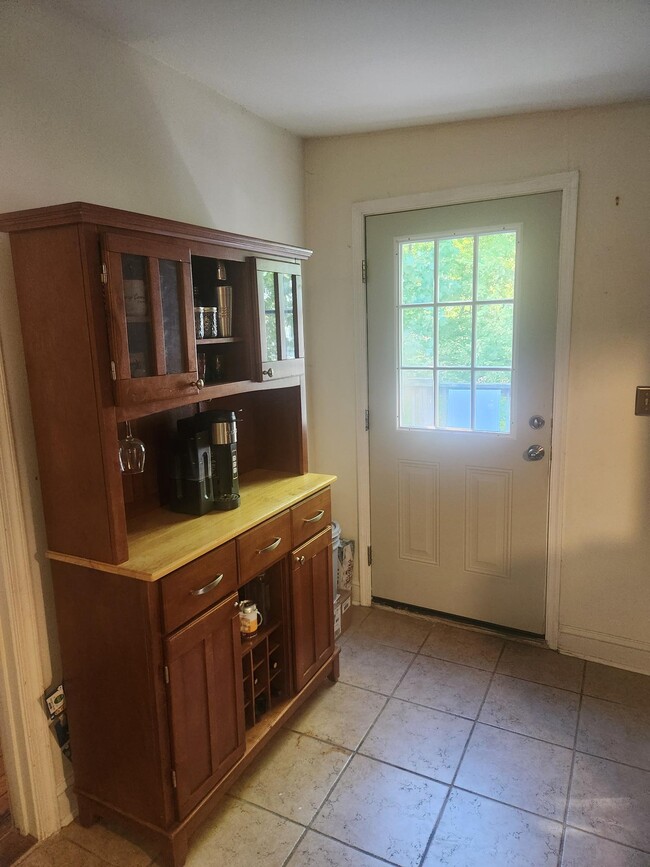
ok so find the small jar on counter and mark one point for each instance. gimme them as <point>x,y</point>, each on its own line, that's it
<point>248,618</point>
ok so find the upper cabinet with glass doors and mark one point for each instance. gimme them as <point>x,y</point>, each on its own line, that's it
<point>151,318</point>
<point>279,293</point>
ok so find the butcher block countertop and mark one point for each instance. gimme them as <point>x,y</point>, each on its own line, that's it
<point>161,541</point>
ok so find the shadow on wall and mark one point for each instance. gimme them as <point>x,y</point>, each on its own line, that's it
<point>605,584</point>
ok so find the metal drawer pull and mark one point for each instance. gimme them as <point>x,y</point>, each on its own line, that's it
<point>315,518</point>
<point>270,547</point>
<point>202,590</point>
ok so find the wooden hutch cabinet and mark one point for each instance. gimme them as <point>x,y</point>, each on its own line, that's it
<point>167,702</point>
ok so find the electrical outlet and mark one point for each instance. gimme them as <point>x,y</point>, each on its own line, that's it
<point>642,405</point>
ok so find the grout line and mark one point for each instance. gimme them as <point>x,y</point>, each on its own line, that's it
<point>378,858</point>
<point>367,688</point>
<point>613,761</point>
<point>451,785</point>
<point>268,810</point>
<point>454,662</point>
<point>507,804</point>
<point>523,734</point>
<point>539,683</point>
<point>591,833</point>
<point>353,754</point>
<point>573,762</point>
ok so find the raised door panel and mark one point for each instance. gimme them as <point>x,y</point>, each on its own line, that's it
<point>73,421</point>
<point>151,318</point>
<point>312,606</point>
<point>206,701</point>
<point>108,627</point>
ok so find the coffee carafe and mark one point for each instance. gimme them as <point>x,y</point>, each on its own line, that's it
<point>225,472</point>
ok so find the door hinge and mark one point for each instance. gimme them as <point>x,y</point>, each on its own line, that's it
<point>367,419</point>
<point>103,277</point>
<point>166,672</point>
<point>364,271</point>
<point>113,371</point>
<point>369,555</point>
<point>174,779</point>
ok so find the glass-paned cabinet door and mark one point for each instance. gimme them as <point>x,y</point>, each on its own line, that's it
<point>279,294</point>
<point>149,300</point>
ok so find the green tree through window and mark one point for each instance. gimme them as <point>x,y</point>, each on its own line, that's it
<point>456,331</point>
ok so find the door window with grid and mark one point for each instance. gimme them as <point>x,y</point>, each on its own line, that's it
<point>456,299</point>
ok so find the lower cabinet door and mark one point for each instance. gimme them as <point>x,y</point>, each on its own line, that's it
<point>312,606</point>
<point>206,701</point>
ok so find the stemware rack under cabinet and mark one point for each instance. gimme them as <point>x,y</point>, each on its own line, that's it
<point>264,672</point>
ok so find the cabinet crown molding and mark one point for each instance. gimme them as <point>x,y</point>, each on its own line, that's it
<point>105,217</point>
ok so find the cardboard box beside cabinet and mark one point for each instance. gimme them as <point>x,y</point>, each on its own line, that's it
<point>345,598</point>
<point>345,564</point>
<point>337,616</point>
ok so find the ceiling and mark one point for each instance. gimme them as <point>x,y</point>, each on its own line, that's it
<point>327,67</point>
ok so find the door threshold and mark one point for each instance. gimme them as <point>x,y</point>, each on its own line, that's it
<point>483,625</point>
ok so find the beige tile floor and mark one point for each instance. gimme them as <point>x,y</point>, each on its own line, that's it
<point>439,745</point>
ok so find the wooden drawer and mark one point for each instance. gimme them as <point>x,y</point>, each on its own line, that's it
<point>193,588</point>
<point>310,517</point>
<point>263,545</point>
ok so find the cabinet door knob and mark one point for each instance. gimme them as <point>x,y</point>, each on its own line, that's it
<point>268,373</point>
<point>198,383</point>
<point>270,547</point>
<point>300,559</point>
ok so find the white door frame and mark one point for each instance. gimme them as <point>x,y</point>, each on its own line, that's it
<point>26,738</point>
<point>567,184</point>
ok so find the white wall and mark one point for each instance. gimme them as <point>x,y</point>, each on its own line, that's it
<point>605,586</point>
<point>85,118</point>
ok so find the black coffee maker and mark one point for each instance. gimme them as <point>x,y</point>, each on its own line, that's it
<point>220,426</point>
<point>191,490</point>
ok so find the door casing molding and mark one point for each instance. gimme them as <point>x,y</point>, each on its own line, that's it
<point>26,737</point>
<point>567,184</point>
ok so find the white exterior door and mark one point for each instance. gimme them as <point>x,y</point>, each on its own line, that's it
<point>461,340</point>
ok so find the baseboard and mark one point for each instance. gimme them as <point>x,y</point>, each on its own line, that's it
<point>615,650</point>
<point>66,801</point>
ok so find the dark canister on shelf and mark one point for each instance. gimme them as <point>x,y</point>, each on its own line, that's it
<point>211,321</point>
<point>199,323</point>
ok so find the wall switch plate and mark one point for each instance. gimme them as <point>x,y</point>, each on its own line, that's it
<point>642,405</point>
